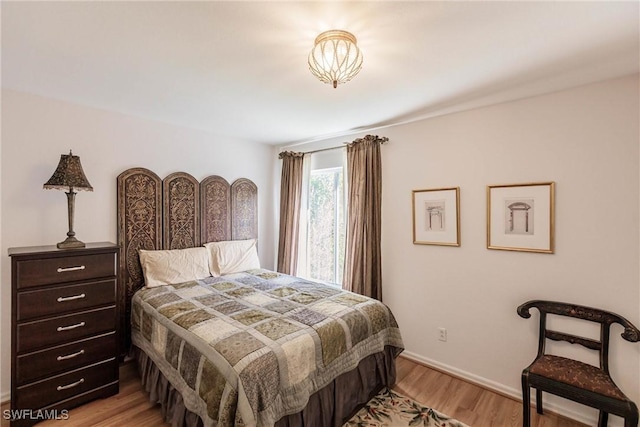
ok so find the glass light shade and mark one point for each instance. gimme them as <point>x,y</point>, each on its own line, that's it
<point>335,58</point>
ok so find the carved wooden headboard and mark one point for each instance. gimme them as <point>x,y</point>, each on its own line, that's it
<point>176,212</point>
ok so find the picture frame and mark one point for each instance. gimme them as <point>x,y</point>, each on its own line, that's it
<point>436,216</point>
<point>521,217</point>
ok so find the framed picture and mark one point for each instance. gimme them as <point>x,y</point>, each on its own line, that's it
<point>520,217</point>
<point>436,217</point>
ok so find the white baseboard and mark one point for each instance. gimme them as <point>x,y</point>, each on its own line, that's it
<point>516,394</point>
<point>5,397</point>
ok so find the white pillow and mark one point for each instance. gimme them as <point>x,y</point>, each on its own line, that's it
<point>232,256</point>
<point>173,266</point>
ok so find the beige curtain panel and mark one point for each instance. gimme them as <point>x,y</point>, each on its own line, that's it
<point>290,200</point>
<point>363,264</point>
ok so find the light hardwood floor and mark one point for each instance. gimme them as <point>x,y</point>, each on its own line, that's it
<point>471,404</point>
<point>466,402</point>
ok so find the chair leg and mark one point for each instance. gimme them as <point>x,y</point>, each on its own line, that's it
<point>526,403</point>
<point>539,401</point>
<point>603,419</point>
<point>631,420</point>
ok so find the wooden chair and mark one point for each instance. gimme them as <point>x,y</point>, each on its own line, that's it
<point>571,379</point>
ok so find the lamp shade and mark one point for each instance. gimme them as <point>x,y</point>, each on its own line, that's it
<point>69,175</point>
<point>335,58</point>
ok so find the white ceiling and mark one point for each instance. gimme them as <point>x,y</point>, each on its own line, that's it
<point>239,69</point>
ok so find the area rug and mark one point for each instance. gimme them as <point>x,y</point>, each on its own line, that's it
<point>390,409</point>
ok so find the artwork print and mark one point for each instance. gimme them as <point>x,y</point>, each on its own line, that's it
<point>521,217</point>
<point>436,216</point>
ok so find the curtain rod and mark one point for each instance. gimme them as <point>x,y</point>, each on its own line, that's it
<point>326,149</point>
<point>384,140</point>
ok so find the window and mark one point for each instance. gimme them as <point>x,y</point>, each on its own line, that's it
<point>326,225</point>
<point>323,222</point>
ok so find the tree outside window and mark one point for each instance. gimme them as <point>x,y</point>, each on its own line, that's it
<point>326,225</point>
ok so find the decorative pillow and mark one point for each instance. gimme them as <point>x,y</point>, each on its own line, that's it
<point>232,256</point>
<point>174,266</point>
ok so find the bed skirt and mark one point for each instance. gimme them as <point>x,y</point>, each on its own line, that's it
<point>330,406</point>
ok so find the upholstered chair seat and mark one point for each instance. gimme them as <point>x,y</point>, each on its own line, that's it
<point>576,374</point>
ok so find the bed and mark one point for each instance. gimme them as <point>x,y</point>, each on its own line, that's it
<point>250,347</point>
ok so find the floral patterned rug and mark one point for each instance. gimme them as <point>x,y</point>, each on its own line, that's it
<point>390,409</point>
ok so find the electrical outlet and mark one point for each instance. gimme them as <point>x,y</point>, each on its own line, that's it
<point>442,334</point>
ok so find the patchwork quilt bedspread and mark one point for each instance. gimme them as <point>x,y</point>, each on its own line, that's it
<point>248,348</point>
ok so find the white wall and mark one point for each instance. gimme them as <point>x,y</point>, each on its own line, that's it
<point>587,141</point>
<point>36,131</point>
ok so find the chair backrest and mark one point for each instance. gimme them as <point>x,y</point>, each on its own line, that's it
<point>604,318</point>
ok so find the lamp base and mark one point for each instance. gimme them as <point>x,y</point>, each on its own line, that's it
<point>70,242</point>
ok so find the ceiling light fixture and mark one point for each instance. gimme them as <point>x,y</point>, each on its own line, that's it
<point>335,58</point>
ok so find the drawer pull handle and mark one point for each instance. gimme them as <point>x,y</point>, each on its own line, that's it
<point>63,270</point>
<point>63,299</point>
<point>64,387</point>
<point>66,328</point>
<point>70,356</point>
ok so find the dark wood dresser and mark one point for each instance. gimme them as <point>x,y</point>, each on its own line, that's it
<point>64,340</point>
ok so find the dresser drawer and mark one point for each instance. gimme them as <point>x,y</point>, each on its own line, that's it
<point>53,361</point>
<point>63,299</point>
<point>46,392</point>
<point>63,329</point>
<point>49,271</point>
